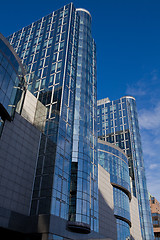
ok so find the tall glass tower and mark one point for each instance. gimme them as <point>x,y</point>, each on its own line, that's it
<point>84,187</point>
<point>60,56</point>
<point>49,48</point>
<point>118,124</point>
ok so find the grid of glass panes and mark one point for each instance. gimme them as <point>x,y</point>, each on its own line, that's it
<point>49,49</point>
<point>117,132</point>
<point>116,163</point>
<point>12,83</point>
<point>123,230</point>
<point>41,47</point>
<point>60,197</point>
<point>129,128</point>
<point>140,178</point>
<point>113,124</point>
<point>121,204</point>
<point>84,135</point>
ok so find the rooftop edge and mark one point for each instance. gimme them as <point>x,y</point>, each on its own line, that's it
<point>84,10</point>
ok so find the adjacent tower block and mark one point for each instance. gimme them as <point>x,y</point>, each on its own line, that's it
<point>118,124</point>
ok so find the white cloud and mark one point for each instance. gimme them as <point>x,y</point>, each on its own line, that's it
<point>153,183</point>
<point>150,118</point>
<point>138,89</point>
<point>147,93</point>
<point>147,88</point>
<point>153,166</point>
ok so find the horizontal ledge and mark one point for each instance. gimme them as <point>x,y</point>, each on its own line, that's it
<point>123,219</point>
<point>123,189</point>
<point>83,10</point>
<point>79,227</point>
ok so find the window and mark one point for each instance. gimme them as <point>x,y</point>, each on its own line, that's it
<point>153,200</point>
<point>39,73</point>
<point>56,47</point>
<point>50,42</point>
<point>51,79</point>
<point>43,83</point>
<point>39,39</point>
<point>58,75</point>
<point>45,44</point>
<point>47,61</point>
<point>113,108</point>
<point>62,36</point>
<point>53,68</point>
<point>41,63</point>
<point>65,20</point>
<point>33,49</point>
<point>59,66</point>
<point>50,20</point>
<point>58,30</point>
<point>38,47</point>
<point>57,38</point>
<point>155,222</point>
<point>60,55</point>
<point>37,85</point>
<point>43,53</point>
<point>61,14</point>
<point>61,45</point>
<point>45,71</point>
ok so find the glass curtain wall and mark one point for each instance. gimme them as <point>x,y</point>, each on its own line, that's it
<point>140,178</point>
<point>49,47</point>
<point>12,82</point>
<point>118,124</point>
<point>84,182</point>
<point>115,162</point>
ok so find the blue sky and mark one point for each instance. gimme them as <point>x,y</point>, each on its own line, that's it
<point>127,35</point>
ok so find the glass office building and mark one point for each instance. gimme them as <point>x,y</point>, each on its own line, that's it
<point>60,56</point>
<point>48,47</point>
<point>118,124</point>
<point>115,162</point>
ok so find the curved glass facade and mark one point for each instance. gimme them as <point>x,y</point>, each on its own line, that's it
<point>121,204</point>
<point>12,82</point>
<point>59,50</point>
<point>115,162</point>
<point>123,232</point>
<point>84,187</point>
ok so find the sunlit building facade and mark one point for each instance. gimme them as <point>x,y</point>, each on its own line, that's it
<point>84,153</point>
<point>118,124</point>
<point>48,47</point>
<point>155,211</point>
<point>60,56</point>
<point>70,195</point>
<point>115,162</point>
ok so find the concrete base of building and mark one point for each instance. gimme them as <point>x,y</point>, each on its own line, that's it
<point>42,227</point>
